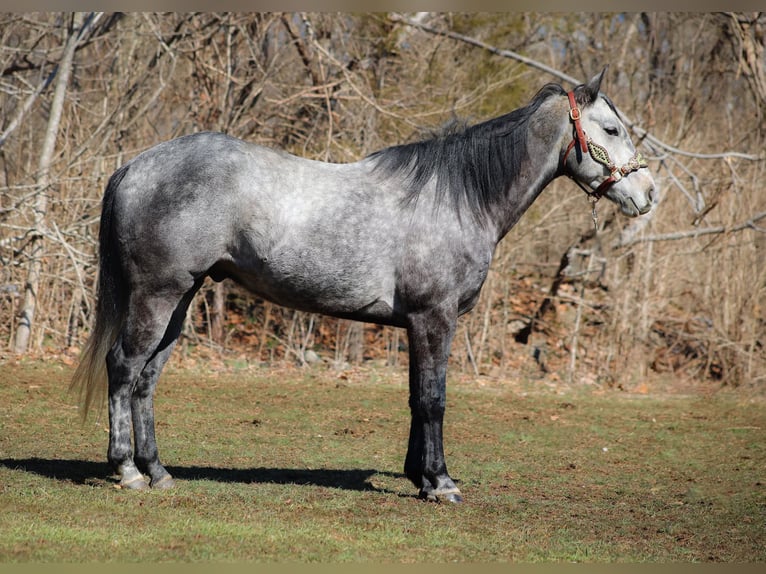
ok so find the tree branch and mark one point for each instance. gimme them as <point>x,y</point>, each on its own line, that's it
<point>642,133</point>
<point>488,47</point>
<point>692,233</point>
<point>27,106</point>
<point>93,18</point>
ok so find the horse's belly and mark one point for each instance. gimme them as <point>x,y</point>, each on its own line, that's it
<point>329,289</point>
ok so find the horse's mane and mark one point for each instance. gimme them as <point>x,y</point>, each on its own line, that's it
<point>473,166</point>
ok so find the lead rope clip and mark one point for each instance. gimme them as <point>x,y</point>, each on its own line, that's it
<point>594,214</point>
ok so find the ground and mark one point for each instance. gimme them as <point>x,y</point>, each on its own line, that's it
<point>304,464</point>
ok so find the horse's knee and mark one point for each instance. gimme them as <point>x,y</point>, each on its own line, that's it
<point>428,408</point>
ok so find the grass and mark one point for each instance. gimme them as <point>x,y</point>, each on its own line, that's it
<point>305,466</point>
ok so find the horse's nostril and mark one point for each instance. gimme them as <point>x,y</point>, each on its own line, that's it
<point>646,209</point>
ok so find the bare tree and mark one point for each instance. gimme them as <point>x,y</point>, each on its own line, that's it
<point>79,26</point>
<point>681,291</point>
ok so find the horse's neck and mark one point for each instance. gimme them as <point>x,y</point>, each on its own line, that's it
<point>541,168</point>
<point>522,194</point>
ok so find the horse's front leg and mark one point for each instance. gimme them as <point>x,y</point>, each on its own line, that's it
<point>430,335</point>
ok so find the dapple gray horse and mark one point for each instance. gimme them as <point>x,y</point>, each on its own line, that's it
<point>403,237</point>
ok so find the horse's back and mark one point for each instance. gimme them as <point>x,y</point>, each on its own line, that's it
<point>303,233</point>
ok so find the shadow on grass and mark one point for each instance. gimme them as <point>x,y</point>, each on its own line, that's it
<point>89,472</point>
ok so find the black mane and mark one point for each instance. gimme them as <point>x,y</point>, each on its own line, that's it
<point>474,166</point>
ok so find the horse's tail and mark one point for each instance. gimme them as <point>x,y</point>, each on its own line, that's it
<point>90,378</point>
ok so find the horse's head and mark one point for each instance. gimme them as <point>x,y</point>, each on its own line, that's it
<point>601,157</point>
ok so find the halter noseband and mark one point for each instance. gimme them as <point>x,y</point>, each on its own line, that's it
<point>598,153</point>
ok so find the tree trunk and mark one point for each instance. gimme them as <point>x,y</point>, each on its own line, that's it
<point>39,226</point>
<point>217,314</point>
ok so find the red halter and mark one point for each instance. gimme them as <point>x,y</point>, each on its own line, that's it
<point>598,153</point>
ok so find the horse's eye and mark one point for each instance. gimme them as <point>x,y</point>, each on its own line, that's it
<point>611,130</point>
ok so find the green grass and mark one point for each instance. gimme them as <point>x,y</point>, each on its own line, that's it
<point>304,465</point>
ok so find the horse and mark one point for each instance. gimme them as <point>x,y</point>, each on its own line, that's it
<point>403,237</point>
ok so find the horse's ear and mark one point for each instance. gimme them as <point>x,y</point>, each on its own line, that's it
<point>592,88</point>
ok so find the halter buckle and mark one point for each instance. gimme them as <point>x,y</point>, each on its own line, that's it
<point>574,114</point>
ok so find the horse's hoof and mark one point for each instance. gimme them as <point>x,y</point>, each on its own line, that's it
<point>454,497</point>
<point>164,483</point>
<point>136,483</point>
<point>448,496</point>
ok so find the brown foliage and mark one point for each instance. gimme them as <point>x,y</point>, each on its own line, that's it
<point>630,301</point>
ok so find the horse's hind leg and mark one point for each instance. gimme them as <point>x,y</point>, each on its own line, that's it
<point>134,364</point>
<point>142,401</point>
<point>147,458</point>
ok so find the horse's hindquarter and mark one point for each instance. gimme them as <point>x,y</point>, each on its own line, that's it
<point>173,209</point>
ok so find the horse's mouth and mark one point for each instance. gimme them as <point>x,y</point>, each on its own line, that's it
<point>630,208</point>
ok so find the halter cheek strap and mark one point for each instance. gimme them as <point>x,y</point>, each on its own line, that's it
<point>575,115</point>
<point>598,153</point>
